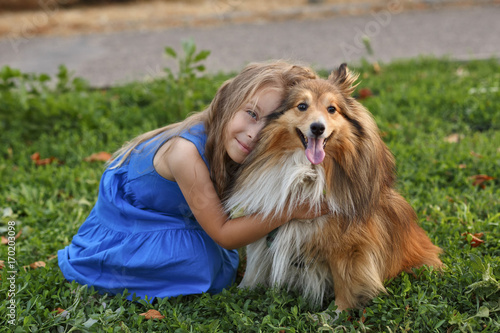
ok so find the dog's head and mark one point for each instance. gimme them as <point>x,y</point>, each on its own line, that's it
<point>317,111</point>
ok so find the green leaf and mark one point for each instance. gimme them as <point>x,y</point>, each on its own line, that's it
<point>407,284</point>
<point>202,55</point>
<point>89,323</point>
<point>476,262</point>
<point>44,78</point>
<point>439,324</point>
<point>171,52</point>
<point>483,312</point>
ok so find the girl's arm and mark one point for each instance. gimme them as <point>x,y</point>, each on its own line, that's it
<point>182,162</point>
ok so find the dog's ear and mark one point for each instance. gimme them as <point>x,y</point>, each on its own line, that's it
<point>344,79</point>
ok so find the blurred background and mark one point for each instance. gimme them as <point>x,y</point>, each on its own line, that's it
<point>63,17</point>
<point>115,41</point>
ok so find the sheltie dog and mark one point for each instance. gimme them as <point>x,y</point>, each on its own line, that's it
<point>322,146</point>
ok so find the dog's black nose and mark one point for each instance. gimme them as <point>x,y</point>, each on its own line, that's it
<point>317,128</point>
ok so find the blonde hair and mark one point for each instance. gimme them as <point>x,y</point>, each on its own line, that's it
<point>230,98</point>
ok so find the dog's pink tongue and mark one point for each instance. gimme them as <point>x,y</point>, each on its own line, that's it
<point>314,151</point>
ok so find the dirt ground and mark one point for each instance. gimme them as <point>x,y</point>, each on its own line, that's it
<point>29,18</point>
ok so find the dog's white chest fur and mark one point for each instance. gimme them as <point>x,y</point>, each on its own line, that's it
<point>279,259</point>
<point>281,262</point>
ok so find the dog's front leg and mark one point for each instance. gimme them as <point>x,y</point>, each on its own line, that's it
<point>356,277</point>
<point>259,265</point>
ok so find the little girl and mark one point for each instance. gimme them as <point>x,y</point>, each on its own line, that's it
<point>158,228</point>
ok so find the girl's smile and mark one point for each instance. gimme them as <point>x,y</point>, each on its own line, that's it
<point>244,147</point>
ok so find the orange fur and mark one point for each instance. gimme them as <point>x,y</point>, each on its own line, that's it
<point>372,234</point>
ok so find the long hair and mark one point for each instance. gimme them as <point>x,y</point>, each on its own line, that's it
<point>230,98</point>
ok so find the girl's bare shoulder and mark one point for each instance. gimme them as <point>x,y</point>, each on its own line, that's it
<point>175,151</point>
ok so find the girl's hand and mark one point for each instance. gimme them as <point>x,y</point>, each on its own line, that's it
<point>304,212</point>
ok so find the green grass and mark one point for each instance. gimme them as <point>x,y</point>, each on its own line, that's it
<point>417,104</point>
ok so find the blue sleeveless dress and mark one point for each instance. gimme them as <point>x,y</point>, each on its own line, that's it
<point>142,236</point>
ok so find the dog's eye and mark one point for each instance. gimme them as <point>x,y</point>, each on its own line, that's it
<point>331,109</point>
<point>302,106</point>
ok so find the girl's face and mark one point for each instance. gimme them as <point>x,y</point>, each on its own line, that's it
<point>243,128</point>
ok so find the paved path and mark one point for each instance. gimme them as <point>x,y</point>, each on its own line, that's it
<point>458,32</point>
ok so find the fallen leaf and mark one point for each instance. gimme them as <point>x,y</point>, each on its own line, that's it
<point>35,156</point>
<point>364,93</point>
<point>2,265</point>
<point>462,166</point>
<point>46,161</point>
<point>42,161</point>
<point>98,157</point>
<point>35,265</point>
<point>454,138</point>
<point>59,310</point>
<point>478,180</point>
<point>152,314</point>
<point>363,318</point>
<point>475,238</point>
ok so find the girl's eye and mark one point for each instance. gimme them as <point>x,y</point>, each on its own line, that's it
<point>331,109</point>
<point>302,106</point>
<point>252,114</point>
